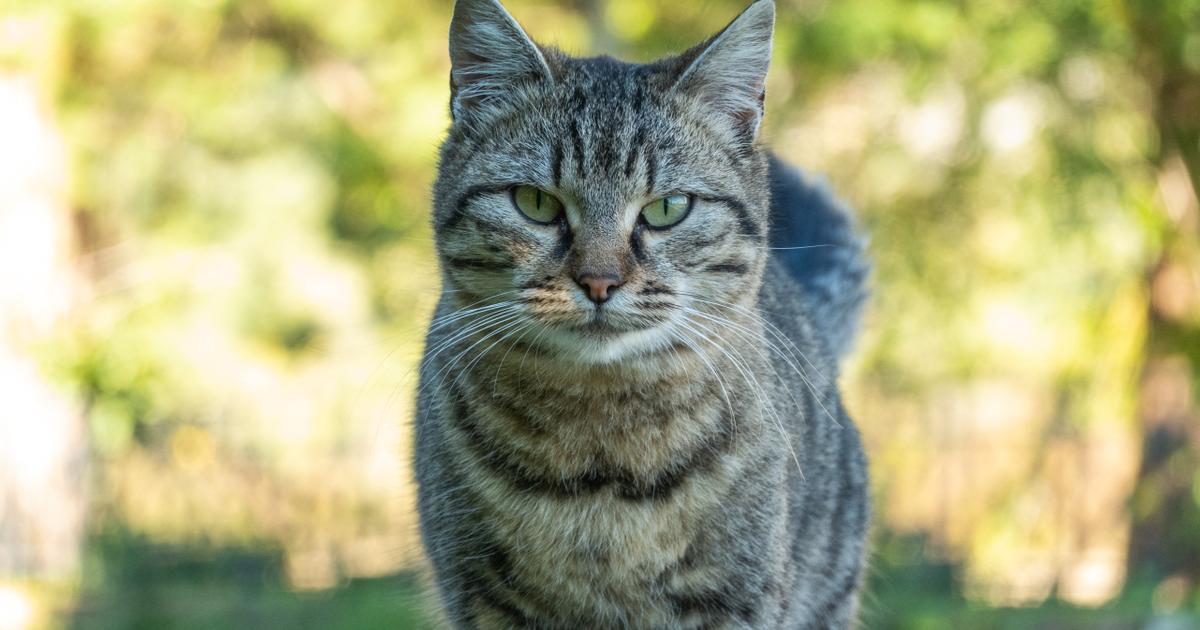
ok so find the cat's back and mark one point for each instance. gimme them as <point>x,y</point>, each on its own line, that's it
<point>814,289</point>
<point>818,258</point>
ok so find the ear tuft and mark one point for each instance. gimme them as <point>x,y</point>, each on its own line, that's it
<point>489,54</point>
<point>729,72</point>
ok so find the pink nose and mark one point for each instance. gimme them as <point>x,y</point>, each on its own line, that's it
<point>598,288</point>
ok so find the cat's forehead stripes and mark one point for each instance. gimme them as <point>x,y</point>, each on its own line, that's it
<point>610,108</point>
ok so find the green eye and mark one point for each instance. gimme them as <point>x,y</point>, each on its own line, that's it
<point>536,203</point>
<point>668,211</point>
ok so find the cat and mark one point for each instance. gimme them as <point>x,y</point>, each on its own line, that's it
<point>628,414</point>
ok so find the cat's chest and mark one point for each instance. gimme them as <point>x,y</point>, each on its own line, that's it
<point>597,502</point>
<point>598,556</point>
<point>623,432</point>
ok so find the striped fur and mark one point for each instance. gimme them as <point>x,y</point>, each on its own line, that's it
<point>677,457</point>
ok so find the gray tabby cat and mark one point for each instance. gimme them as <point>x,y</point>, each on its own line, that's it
<point>628,414</point>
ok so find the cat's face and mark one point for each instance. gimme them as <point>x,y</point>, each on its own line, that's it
<point>608,206</point>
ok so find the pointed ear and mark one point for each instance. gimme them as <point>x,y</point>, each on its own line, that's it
<point>729,71</point>
<point>489,54</point>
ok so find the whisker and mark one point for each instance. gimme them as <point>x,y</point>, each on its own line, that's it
<point>431,352</point>
<point>747,373</point>
<point>511,330</point>
<point>751,336</point>
<point>448,369</point>
<point>695,348</point>
<point>780,336</point>
<point>488,326</point>
<point>801,247</point>
<point>496,378</point>
<point>457,335</point>
<point>691,344</point>
<point>467,311</point>
<point>532,344</point>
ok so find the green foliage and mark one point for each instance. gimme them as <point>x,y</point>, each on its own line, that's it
<point>251,184</point>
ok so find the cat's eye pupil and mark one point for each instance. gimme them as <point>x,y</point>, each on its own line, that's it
<point>536,204</point>
<point>666,211</point>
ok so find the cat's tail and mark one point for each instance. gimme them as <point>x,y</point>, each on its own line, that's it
<point>813,234</point>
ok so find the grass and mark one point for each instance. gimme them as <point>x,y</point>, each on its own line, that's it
<point>133,584</point>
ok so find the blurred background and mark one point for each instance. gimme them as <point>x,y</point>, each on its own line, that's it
<point>215,267</point>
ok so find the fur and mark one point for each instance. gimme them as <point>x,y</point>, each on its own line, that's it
<point>677,456</point>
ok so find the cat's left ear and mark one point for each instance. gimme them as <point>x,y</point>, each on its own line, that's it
<point>729,71</point>
<point>489,54</point>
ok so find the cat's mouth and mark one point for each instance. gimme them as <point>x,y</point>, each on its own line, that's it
<point>604,339</point>
<point>602,333</point>
<point>601,325</point>
<point>606,323</point>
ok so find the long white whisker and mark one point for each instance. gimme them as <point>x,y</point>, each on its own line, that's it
<point>467,311</point>
<point>458,335</point>
<point>748,374</point>
<point>500,365</point>
<point>488,327</point>
<point>430,352</point>
<point>712,370</point>
<point>448,369</point>
<point>508,331</point>
<point>780,336</point>
<point>802,247</point>
<point>754,337</point>
<point>695,348</point>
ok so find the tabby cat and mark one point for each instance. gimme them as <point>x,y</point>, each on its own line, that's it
<point>628,414</point>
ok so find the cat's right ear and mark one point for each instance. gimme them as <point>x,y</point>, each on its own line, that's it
<point>729,71</point>
<point>489,54</point>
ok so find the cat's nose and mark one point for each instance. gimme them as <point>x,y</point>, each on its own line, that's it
<point>599,288</point>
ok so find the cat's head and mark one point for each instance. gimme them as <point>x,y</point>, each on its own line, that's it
<point>600,200</point>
